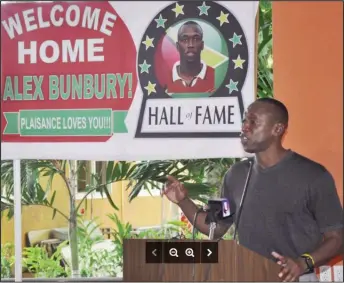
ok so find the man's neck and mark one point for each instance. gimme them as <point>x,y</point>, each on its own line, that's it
<point>271,156</point>
<point>190,69</point>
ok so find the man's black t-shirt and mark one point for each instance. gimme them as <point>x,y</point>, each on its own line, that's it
<point>287,206</point>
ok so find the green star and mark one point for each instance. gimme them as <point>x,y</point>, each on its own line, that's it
<point>236,39</point>
<point>232,86</point>
<point>160,22</point>
<point>144,67</point>
<point>203,9</point>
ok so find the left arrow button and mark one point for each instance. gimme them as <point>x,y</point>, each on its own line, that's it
<point>154,252</point>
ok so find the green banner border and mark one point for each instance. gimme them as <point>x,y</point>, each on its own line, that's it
<point>13,118</point>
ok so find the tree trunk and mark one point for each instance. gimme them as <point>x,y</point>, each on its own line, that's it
<point>73,242</point>
<point>73,236</point>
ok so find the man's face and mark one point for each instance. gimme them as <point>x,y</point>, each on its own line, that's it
<point>258,128</point>
<point>190,43</point>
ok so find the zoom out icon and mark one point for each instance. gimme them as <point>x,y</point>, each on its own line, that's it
<point>173,252</point>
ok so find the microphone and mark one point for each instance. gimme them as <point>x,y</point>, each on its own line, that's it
<point>250,161</point>
<point>217,209</point>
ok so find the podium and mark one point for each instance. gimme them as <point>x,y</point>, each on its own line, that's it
<point>235,263</point>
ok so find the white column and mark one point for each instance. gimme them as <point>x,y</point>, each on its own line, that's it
<point>17,221</point>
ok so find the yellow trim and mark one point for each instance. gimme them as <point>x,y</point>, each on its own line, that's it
<point>308,255</point>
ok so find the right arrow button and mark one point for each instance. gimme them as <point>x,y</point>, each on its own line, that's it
<point>209,252</point>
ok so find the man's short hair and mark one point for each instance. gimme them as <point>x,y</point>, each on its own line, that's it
<point>190,23</point>
<point>281,112</point>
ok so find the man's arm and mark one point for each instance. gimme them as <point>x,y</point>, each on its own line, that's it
<point>331,247</point>
<point>328,212</point>
<point>176,192</point>
<point>324,204</point>
<point>189,209</point>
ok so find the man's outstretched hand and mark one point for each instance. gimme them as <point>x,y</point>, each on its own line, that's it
<point>291,269</point>
<point>174,190</point>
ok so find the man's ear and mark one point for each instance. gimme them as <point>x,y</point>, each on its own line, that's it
<point>279,129</point>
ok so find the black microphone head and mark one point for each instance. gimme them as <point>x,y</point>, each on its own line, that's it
<point>220,206</point>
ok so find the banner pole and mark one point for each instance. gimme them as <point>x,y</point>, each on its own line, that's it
<point>17,221</point>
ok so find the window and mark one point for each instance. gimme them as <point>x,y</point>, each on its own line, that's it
<point>86,170</point>
<point>82,178</point>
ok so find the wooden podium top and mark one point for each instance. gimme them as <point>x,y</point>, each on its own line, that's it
<point>235,263</point>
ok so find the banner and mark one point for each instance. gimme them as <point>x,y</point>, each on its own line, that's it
<point>124,80</point>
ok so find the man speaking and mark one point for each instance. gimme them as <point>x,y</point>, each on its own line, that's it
<point>291,212</point>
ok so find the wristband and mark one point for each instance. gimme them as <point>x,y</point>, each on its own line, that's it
<point>309,256</point>
<point>309,262</point>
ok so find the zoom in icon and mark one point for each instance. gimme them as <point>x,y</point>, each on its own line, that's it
<point>182,252</point>
<point>189,252</point>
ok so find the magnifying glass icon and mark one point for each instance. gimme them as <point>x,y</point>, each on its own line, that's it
<point>189,252</point>
<point>173,252</point>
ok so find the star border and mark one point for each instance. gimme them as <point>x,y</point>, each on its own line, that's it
<point>227,29</point>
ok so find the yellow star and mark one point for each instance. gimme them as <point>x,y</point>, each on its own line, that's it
<point>148,42</point>
<point>238,62</point>
<point>150,88</point>
<point>178,10</point>
<point>223,18</point>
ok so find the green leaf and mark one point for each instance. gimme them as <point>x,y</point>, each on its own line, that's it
<point>132,168</point>
<point>54,213</point>
<point>136,190</point>
<point>52,198</point>
<point>267,40</point>
<point>125,170</point>
<point>120,169</point>
<point>115,173</point>
<point>86,204</point>
<point>109,174</point>
<point>109,197</point>
<point>49,185</point>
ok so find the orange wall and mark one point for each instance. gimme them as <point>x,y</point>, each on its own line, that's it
<point>308,78</point>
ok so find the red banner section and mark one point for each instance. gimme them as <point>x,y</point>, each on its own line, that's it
<point>68,72</point>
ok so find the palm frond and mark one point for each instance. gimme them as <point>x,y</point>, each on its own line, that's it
<point>194,173</point>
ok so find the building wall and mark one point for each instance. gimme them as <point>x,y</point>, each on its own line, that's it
<point>308,78</point>
<point>143,211</point>
<point>38,217</point>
